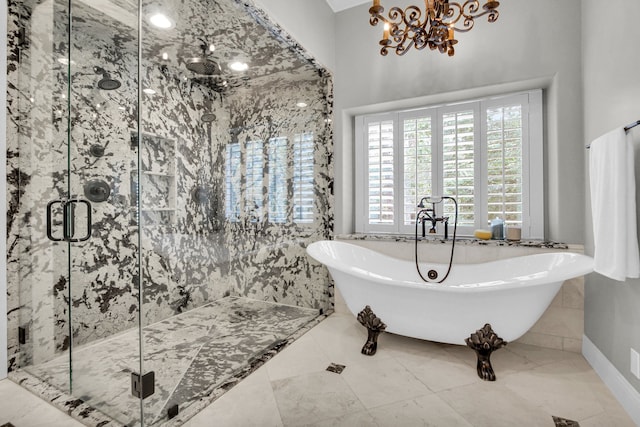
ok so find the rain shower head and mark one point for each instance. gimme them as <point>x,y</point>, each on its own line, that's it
<point>208,117</point>
<point>202,64</point>
<point>106,82</point>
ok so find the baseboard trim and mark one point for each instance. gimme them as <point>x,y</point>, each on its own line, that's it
<point>628,396</point>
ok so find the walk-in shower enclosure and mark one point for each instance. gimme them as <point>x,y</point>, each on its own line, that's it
<point>159,200</point>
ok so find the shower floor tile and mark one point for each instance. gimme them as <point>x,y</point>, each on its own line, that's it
<point>191,354</point>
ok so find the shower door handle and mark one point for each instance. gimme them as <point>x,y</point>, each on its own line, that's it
<point>50,219</point>
<point>70,220</point>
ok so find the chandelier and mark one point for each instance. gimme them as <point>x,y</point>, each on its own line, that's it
<point>434,28</point>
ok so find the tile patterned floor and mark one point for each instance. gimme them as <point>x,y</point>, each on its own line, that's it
<point>192,354</point>
<point>407,383</point>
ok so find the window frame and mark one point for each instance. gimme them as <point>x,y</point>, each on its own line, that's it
<point>532,162</point>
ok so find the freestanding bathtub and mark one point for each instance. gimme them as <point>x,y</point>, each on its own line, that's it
<point>509,294</point>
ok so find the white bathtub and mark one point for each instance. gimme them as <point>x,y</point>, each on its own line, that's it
<point>510,294</point>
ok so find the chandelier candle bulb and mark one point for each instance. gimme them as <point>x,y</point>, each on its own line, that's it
<point>376,3</point>
<point>385,35</point>
<point>451,33</point>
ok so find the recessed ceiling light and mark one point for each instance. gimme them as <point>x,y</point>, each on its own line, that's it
<point>212,47</point>
<point>161,21</point>
<point>165,55</point>
<point>149,91</point>
<point>121,108</point>
<point>301,104</point>
<point>239,66</point>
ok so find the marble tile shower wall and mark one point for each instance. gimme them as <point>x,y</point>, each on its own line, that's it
<point>191,254</point>
<point>271,256</point>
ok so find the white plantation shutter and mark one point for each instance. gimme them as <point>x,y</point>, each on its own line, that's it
<point>303,178</point>
<point>486,154</point>
<point>253,201</point>
<point>277,180</point>
<point>513,177</point>
<point>504,164</point>
<point>460,156</point>
<point>232,182</point>
<point>379,167</point>
<point>417,164</point>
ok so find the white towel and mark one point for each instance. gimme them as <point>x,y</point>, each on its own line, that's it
<point>613,205</point>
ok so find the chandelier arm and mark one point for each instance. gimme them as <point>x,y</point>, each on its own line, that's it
<point>411,17</point>
<point>471,7</point>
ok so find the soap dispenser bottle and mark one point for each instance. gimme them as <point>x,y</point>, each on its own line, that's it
<point>497,229</point>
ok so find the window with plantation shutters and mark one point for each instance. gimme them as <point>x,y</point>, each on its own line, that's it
<point>460,149</point>
<point>504,164</point>
<point>253,201</point>
<point>277,180</point>
<point>303,197</point>
<point>380,169</point>
<point>486,153</point>
<point>278,184</point>
<point>417,139</point>
<point>232,182</point>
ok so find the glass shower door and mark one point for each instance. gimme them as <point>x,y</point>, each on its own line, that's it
<point>38,89</point>
<point>74,215</point>
<point>102,209</point>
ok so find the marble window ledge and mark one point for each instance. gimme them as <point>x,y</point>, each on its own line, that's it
<point>467,241</point>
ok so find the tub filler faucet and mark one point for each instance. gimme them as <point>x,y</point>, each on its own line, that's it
<point>429,215</point>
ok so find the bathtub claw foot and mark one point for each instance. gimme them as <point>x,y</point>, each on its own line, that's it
<point>484,342</point>
<point>374,325</point>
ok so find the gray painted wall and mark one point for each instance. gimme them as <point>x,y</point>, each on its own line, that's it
<point>611,99</point>
<point>310,22</point>
<point>533,44</point>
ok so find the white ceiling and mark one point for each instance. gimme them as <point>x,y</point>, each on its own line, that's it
<point>338,5</point>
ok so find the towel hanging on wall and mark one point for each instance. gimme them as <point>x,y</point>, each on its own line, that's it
<point>613,206</point>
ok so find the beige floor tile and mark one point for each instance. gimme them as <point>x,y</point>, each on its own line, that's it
<point>424,411</point>
<point>397,344</point>
<point>608,420</point>
<point>540,355</point>
<point>504,361</point>
<point>490,404</point>
<point>22,408</point>
<point>358,419</point>
<point>304,356</point>
<point>341,338</point>
<point>379,381</point>
<point>562,389</point>
<point>439,370</point>
<point>313,397</point>
<point>250,403</point>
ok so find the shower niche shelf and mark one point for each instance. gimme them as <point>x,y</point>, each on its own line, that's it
<point>157,179</point>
